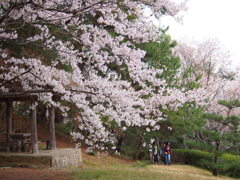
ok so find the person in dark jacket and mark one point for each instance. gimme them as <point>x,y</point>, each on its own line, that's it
<point>162,153</point>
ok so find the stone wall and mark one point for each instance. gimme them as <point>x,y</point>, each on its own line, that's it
<point>66,158</point>
<point>59,158</point>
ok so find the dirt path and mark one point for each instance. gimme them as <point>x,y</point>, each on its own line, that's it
<point>33,174</point>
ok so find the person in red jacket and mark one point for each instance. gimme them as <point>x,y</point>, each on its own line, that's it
<point>167,153</point>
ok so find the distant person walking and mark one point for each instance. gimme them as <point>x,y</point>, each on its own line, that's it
<point>151,154</point>
<point>167,153</point>
<point>155,153</point>
<point>162,153</point>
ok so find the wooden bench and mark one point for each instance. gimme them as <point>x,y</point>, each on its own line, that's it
<point>20,142</point>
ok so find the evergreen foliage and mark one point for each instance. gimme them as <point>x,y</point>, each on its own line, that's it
<point>228,164</point>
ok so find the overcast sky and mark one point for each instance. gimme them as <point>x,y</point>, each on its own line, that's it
<point>206,19</point>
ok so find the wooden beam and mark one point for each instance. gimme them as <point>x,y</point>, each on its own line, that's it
<point>52,136</point>
<point>20,97</point>
<point>9,110</point>
<point>34,137</point>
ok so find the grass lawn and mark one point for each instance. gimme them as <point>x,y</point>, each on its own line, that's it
<point>110,168</point>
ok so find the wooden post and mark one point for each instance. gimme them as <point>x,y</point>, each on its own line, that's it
<point>9,109</point>
<point>52,136</point>
<point>34,137</point>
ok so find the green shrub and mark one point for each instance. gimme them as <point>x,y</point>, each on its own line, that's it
<point>91,153</point>
<point>193,157</point>
<point>228,164</point>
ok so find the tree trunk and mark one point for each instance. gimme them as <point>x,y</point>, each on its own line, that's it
<point>216,158</point>
<point>9,110</point>
<point>34,137</point>
<point>52,136</point>
<point>138,149</point>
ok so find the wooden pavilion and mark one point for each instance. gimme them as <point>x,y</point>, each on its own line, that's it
<point>11,97</point>
<point>59,158</point>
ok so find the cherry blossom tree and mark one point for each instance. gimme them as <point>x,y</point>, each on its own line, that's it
<point>67,48</point>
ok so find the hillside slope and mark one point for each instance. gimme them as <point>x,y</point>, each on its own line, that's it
<point>106,167</point>
<point>112,168</point>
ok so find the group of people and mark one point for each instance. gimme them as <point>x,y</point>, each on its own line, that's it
<point>164,153</point>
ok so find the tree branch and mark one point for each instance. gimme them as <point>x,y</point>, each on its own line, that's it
<point>15,77</point>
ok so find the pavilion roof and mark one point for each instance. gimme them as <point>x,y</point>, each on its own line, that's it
<point>18,96</point>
